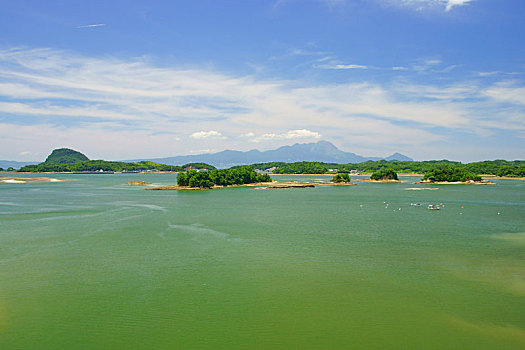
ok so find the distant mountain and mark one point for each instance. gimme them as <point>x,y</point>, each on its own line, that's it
<point>399,157</point>
<point>65,156</point>
<point>322,151</point>
<point>14,164</point>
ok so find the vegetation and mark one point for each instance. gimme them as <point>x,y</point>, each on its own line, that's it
<point>302,168</point>
<point>499,167</point>
<point>96,165</point>
<point>450,174</point>
<point>384,174</point>
<point>202,166</point>
<point>496,167</point>
<point>65,156</point>
<point>2,169</point>
<point>264,166</point>
<point>67,160</point>
<point>343,177</point>
<point>221,177</point>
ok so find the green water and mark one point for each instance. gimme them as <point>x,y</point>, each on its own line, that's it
<point>94,264</point>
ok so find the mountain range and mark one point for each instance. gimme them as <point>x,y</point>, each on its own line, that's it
<point>322,151</point>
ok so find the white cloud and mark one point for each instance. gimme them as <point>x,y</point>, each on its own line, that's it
<point>302,133</point>
<point>341,66</point>
<point>152,110</point>
<point>205,134</point>
<point>92,25</point>
<point>292,134</point>
<point>506,92</point>
<point>452,3</point>
<point>424,4</point>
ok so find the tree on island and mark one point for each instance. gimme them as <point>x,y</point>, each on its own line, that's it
<point>220,177</point>
<point>384,174</point>
<point>341,178</point>
<point>450,174</point>
<point>200,166</point>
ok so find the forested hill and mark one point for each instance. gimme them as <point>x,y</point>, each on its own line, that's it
<point>65,156</point>
<point>514,168</point>
<point>67,160</point>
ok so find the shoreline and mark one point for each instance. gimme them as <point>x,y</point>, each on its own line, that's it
<point>454,183</point>
<point>265,185</point>
<point>23,180</point>
<point>495,177</point>
<point>380,181</point>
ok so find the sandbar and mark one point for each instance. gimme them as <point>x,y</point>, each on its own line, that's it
<point>379,181</point>
<point>426,182</point>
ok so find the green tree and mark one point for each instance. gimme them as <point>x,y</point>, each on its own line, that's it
<point>450,174</point>
<point>384,174</point>
<point>338,178</point>
<point>221,177</point>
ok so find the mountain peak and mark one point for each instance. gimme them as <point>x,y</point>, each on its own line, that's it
<point>321,151</point>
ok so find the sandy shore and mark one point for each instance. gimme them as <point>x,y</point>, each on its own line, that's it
<point>501,177</point>
<point>265,185</point>
<point>23,180</point>
<point>139,183</point>
<point>455,183</point>
<point>379,181</point>
<point>186,188</point>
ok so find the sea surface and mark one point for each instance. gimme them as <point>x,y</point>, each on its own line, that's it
<point>94,264</point>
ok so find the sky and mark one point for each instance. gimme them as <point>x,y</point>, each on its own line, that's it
<point>127,79</point>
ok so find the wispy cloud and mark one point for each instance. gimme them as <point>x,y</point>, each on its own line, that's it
<point>341,66</point>
<point>55,97</point>
<point>92,25</point>
<point>206,134</point>
<point>451,3</point>
<point>447,5</point>
<point>292,134</point>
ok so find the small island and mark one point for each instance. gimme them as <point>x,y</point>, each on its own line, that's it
<point>243,176</point>
<point>208,179</point>
<point>139,183</point>
<point>23,180</point>
<point>449,175</point>
<point>341,178</point>
<point>385,175</point>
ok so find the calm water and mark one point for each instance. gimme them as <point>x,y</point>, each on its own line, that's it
<point>94,264</point>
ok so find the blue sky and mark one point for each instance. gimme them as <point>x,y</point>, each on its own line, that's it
<point>432,79</point>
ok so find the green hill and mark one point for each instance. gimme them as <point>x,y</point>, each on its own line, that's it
<point>65,156</point>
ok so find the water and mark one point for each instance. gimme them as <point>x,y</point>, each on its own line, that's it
<point>94,264</point>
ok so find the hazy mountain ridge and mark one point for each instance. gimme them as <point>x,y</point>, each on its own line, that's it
<point>14,164</point>
<point>322,151</point>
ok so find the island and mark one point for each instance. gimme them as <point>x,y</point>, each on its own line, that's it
<point>23,180</point>
<point>207,179</point>
<point>243,176</point>
<point>341,178</point>
<point>66,160</point>
<point>450,175</point>
<point>385,175</point>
